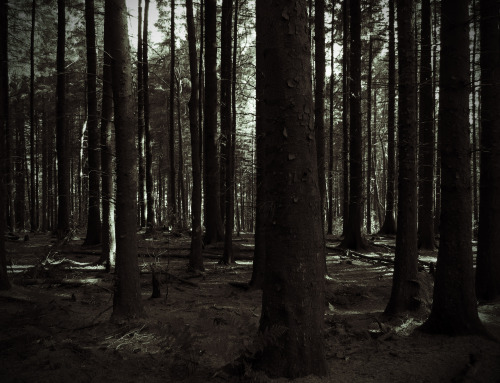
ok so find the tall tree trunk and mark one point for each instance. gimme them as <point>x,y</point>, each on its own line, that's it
<point>488,251</point>
<point>389,225</point>
<point>62,139</point>
<point>437,133</point>
<point>475,199</point>
<point>404,294</point>
<point>352,237</point>
<point>227,192</point>
<point>180,178</point>
<point>319,97</point>
<point>195,256</point>
<point>426,136</point>
<point>20,169</point>
<point>233,112</point>
<point>293,294</point>
<point>345,115</point>
<point>454,307</point>
<point>171,198</point>
<point>45,179</point>
<point>4,153</point>
<point>32,120</point>
<point>108,206</point>
<point>140,120</point>
<point>201,82</point>
<point>369,139</point>
<point>94,211</point>
<point>330,141</point>
<point>127,295</point>
<point>213,221</point>
<point>150,219</point>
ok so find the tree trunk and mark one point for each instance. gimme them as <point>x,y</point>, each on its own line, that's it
<point>405,289</point>
<point>389,225</point>
<point>171,198</point>
<point>4,153</point>
<point>475,199</point>
<point>108,206</point>
<point>352,237</point>
<point>330,147</point>
<point>32,121</point>
<point>488,251</point>
<point>213,221</point>
<point>195,256</point>
<point>319,97</point>
<point>227,177</point>
<point>293,294</point>
<point>369,138</point>
<point>140,121</point>
<point>233,114</point>
<point>127,295</point>
<point>454,307</point>
<point>94,212</point>
<point>180,178</point>
<point>150,217</point>
<point>345,115</point>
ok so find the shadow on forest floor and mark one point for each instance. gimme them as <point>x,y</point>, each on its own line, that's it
<point>55,321</point>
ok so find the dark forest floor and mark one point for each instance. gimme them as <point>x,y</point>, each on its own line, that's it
<point>54,323</point>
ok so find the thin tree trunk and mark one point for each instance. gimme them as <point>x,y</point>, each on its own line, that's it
<point>180,178</point>
<point>330,147</point>
<point>62,139</point>
<point>171,195</point>
<point>369,138</point>
<point>345,115</point>
<point>150,217</point>
<point>195,256</point>
<point>233,114</point>
<point>140,120</point>
<point>127,302</point>
<point>475,199</point>
<point>32,120</point>
<point>94,211</point>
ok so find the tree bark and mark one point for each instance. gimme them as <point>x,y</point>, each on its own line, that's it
<point>293,294</point>
<point>62,139</point>
<point>171,198</point>
<point>33,212</point>
<point>369,138</point>
<point>127,295</point>
<point>94,212</point>
<point>213,221</point>
<point>488,251</point>
<point>389,225</point>
<point>140,121</point>
<point>404,293</point>
<point>330,141</point>
<point>345,115</point>
<point>454,307</point>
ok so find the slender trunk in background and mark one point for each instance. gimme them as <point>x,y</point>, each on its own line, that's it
<point>20,170</point>
<point>140,121</point>
<point>108,207</point>
<point>293,293</point>
<point>201,83</point>
<point>180,178</point>
<point>330,151</point>
<point>437,133</point>
<point>475,200</point>
<point>369,138</point>
<point>127,302</point>
<point>171,197</point>
<point>227,191</point>
<point>233,112</point>
<point>352,237</point>
<point>488,251</point>
<point>389,225</point>
<point>426,137</point>
<point>195,255</point>
<point>213,221</point>
<point>405,287</point>
<point>4,153</point>
<point>45,179</point>
<point>33,212</point>
<point>62,139</point>
<point>454,305</point>
<point>150,216</point>
<point>94,211</point>
<point>345,115</point>
<point>319,97</point>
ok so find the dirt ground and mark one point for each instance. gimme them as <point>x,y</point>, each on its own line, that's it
<point>54,323</point>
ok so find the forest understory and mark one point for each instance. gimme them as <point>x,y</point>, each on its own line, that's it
<point>55,327</point>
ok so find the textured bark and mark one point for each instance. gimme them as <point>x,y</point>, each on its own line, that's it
<point>369,138</point>
<point>293,294</point>
<point>330,141</point>
<point>171,197</point>
<point>127,295</point>
<point>213,221</point>
<point>488,254</point>
<point>195,256</point>
<point>352,237</point>
<point>62,139</point>
<point>140,121</point>
<point>475,198</point>
<point>4,154</point>
<point>33,211</point>
<point>226,128</point>
<point>454,307</point>
<point>108,207</point>
<point>319,96</point>
<point>94,211</point>
<point>150,217</point>
<point>345,115</point>
<point>389,225</point>
<point>404,293</point>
